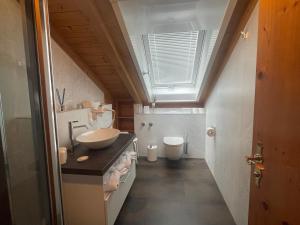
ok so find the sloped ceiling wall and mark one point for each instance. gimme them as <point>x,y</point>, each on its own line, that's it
<point>90,33</point>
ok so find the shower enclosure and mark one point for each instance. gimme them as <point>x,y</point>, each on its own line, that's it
<point>29,175</point>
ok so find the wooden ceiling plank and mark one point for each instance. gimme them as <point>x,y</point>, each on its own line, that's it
<point>116,24</point>
<point>60,41</point>
<point>73,18</point>
<point>96,61</point>
<point>111,81</point>
<point>107,67</point>
<point>75,31</point>
<point>92,51</point>
<point>90,9</point>
<point>58,6</point>
<point>81,40</point>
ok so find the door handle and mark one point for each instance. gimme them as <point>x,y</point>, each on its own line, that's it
<point>252,160</point>
<point>258,173</point>
<point>257,161</point>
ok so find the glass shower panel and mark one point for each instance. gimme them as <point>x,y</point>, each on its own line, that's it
<point>23,161</point>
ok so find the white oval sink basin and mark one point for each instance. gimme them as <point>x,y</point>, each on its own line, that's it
<point>98,139</point>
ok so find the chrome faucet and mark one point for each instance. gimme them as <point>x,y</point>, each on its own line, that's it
<point>71,132</point>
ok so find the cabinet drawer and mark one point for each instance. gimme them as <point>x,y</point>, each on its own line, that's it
<point>115,202</point>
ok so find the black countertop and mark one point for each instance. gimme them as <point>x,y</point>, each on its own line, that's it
<point>99,160</point>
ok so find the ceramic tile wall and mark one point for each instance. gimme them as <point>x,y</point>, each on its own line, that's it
<point>191,126</point>
<point>83,116</point>
<point>79,87</point>
<point>230,109</point>
<point>67,74</point>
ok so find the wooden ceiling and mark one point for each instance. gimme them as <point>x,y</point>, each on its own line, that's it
<point>90,32</point>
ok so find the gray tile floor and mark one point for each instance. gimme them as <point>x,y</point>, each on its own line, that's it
<point>167,193</point>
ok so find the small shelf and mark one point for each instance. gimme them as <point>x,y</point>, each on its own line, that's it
<point>125,115</point>
<point>130,131</point>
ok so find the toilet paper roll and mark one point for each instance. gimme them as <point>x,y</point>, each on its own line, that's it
<point>211,131</point>
<point>62,155</point>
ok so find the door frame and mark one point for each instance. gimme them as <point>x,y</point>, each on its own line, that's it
<point>43,45</point>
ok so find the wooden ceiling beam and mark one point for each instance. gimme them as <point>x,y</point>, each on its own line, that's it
<point>101,17</point>
<point>77,59</point>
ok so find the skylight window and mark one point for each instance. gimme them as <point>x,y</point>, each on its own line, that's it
<point>173,58</point>
<point>172,44</point>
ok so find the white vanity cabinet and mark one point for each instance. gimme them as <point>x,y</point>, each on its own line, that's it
<point>84,199</point>
<point>114,203</point>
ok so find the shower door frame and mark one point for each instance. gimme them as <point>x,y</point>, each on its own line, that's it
<point>38,55</point>
<point>43,47</point>
<point>5,199</point>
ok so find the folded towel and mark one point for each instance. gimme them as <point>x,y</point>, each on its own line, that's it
<point>124,171</point>
<point>127,162</point>
<point>110,187</point>
<point>120,166</point>
<point>121,172</point>
<point>132,155</point>
<point>113,182</point>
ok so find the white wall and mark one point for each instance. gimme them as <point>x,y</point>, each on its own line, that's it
<point>83,116</point>
<point>67,74</point>
<point>192,125</point>
<point>230,109</point>
<point>79,87</point>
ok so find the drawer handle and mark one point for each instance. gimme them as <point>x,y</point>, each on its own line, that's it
<point>107,196</point>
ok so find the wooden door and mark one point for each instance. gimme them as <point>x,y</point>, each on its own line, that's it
<point>277,115</point>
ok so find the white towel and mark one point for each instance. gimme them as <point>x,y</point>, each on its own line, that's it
<point>120,166</point>
<point>131,155</point>
<point>113,182</point>
<point>127,161</point>
<point>123,172</point>
<point>111,186</point>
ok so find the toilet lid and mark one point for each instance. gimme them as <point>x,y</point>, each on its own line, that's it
<point>174,141</point>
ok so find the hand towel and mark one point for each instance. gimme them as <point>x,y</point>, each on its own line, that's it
<point>113,182</point>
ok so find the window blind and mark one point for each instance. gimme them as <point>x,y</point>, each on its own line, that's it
<point>174,57</point>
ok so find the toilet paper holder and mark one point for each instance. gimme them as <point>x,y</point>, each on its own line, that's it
<point>211,131</point>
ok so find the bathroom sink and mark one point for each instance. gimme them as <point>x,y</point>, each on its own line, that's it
<point>98,139</point>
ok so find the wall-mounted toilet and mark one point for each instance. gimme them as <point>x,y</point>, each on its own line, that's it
<point>173,147</point>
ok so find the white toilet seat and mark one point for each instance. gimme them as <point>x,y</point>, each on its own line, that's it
<point>173,147</point>
<point>173,141</point>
